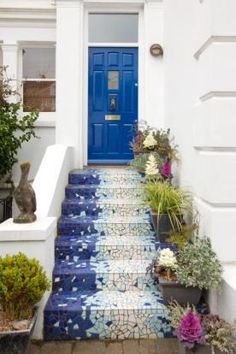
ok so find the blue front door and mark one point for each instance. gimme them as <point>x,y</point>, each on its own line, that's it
<point>113,103</point>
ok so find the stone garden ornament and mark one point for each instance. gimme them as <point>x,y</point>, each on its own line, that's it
<point>25,197</point>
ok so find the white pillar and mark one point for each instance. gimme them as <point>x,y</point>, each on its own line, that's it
<point>10,59</point>
<point>69,76</point>
<point>153,99</point>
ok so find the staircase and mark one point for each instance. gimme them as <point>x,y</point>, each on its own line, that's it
<point>105,243</point>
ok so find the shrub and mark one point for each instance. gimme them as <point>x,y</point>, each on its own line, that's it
<point>22,284</point>
<point>15,127</point>
<point>198,265</point>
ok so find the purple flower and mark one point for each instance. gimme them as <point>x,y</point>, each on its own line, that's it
<point>166,169</point>
<point>189,331</point>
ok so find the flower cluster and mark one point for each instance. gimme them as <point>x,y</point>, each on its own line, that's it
<point>151,167</point>
<point>149,141</point>
<point>189,331</point>
<point>167,259</point>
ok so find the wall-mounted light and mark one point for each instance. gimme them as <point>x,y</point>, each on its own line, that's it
<point>156,50</point>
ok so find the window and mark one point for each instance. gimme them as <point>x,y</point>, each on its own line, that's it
<point>39,84</point>
<point>113,80</point>
<point>113,28</point>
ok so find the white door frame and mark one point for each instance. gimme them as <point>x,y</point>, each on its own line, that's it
<point>112,8</point>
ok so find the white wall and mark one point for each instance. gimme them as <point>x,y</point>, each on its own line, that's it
<point>152,71</point>
<point>34,151</point>
<point>200,105</point>
<point>180,81</point>
<point>15,31</point>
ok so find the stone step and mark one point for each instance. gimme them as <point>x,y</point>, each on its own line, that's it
<point>102,209</point>
<point>104,193</point>
<point>124,275</point>
<point>106,315</point>
<point>106,248</point>
<point>105,176</point>
<point>82,226</point>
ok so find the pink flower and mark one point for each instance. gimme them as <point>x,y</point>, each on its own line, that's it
<point>166,169</point>
<point>189,331</point>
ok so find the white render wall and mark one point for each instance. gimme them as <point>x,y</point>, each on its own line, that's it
<point>21,27</point>
<point>201,109</point>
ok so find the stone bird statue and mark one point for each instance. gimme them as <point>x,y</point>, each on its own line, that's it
<point>25,197</point>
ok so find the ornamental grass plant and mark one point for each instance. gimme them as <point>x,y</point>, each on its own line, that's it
<point>164,198</point>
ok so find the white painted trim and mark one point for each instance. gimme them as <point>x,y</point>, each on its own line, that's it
<point>110,8</point>
<point>115,45</point>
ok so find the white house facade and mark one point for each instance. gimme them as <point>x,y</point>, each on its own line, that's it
<point>191,89</point>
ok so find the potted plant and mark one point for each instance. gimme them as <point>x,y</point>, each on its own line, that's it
<point>201,334</point>
<point>168,205</point>
<point>157,142</point>
<point>22,284</point>
<point>15,129</point>
<point>196,267</point>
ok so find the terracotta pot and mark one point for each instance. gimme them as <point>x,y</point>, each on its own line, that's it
<point>172,290</point>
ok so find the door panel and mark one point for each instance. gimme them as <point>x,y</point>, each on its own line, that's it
<point>113,103</point>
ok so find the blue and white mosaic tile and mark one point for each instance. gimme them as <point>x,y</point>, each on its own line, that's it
<point>106,314</point>
<point>104,193</point>
<point>105,209</point>
<point>82,226</point>
<point>128,275</point>
<point>106,248</point>
<point>106,241</point>
<point>105,176</point>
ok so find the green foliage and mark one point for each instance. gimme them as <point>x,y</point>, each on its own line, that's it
<point>22,284</point>
<point>163,198</point>
<point>164,143</point>
<point>15,127</point>
<point>181,237</point>
<point>219,333</point>
<point>177,312</point>
<point>198,265</point>
<point>140,161</point>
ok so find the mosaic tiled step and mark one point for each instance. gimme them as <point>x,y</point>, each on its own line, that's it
<point>125,275</point>
<point>122,207</point>
<point>107,192</point>
<point>82,226</point>
<point>105,176</point>
<point>106,248</point>
<point>106,315</point>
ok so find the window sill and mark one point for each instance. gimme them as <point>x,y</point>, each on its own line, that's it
<point>46,120</point>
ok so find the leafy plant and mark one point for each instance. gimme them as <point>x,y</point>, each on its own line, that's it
<point>177,312</point>
<point>216,332</point>
<point>198,265</point>
<point>163,198</point>
<point>22,284</point>
<point>189,331</point>
<point>15,127</point>
<point>182,237</point>
<point>149,139</point>
<point>140,161</point>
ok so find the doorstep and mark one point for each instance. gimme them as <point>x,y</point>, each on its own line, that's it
<point>141,346</point>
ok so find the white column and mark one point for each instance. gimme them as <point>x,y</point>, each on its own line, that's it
<point>69,76</point>
<point>153,99</point>
<point>10,59</point>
